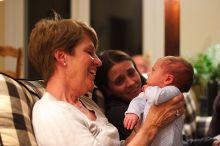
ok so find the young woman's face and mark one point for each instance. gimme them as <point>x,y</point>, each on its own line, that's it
<point>82,66</point>
<point>124,80</point>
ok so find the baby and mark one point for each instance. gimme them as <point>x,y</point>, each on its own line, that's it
<point>169,77</point>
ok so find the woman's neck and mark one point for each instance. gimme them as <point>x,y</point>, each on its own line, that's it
<point>58,88</point>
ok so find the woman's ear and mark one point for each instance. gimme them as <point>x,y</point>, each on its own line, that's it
<point>169,79</point>
<point>60,57</point>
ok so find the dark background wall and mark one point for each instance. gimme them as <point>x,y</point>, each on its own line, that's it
<point>118,24</point>
<point>38,9</point>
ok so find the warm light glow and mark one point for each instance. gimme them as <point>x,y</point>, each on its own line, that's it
<point>173,0</point>
<point>1,0</point>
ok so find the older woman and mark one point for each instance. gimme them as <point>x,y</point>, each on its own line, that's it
<point>120,81</point>
<point>64,51</point>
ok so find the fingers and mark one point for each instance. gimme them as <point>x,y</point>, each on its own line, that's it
<point>167,112</point>
<point>182,110</point>
<point>178,99</point>
<point>129,124</point>
<point>176,103</point>
<point>126,123</point>
<point>177,109</point>
<point>179,106</point>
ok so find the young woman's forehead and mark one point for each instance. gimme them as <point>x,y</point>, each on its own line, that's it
<point>120,68</point>
<point>124,65</point>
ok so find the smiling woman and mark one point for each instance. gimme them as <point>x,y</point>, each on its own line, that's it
<point>120,81</point>
<point>127,83</point>
<point>68,67</point>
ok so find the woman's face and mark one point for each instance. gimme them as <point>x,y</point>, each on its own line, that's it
<point>124,80</point>
<point>81,67</point>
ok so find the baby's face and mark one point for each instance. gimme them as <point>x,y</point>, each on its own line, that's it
<point>156,75</point>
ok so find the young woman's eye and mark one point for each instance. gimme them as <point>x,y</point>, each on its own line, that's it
<point>119,81</point>
<point>131,72</point>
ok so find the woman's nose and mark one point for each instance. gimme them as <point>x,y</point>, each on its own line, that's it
<point>129,81</point>
<point>97,61</point>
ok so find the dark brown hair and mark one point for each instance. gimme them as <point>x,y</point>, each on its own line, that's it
<point>109,58</point>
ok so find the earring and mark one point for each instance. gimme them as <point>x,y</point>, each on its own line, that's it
<point>64,63</point>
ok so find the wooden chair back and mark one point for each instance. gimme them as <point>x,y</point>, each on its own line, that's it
<point>9,51</point>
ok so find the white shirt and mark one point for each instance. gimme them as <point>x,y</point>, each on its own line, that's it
<point>58,123</point>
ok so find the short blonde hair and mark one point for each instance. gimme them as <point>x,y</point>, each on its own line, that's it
<point>50,34</point>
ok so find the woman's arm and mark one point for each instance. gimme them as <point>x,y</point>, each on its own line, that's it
<point>158,117</point>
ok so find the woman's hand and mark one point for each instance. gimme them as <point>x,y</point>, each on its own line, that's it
<point>158,117</point>
<point>165,113</point>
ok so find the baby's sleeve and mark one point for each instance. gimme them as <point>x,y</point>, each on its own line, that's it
<point>159,95</point>
<point>137,105</point>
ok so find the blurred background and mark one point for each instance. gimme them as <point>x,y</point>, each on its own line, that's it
<point>152,28</point>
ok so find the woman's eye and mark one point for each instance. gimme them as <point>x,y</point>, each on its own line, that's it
<point>90,52</point>
<point>131,72</point>
<point>119,81</point>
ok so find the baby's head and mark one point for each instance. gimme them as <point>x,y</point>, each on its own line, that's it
<point>171,70</point>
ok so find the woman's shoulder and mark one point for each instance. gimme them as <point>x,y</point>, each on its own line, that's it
<point>115,103</point>
<point>90,104</point>
<point>116,109</point>
<point>49,106</point>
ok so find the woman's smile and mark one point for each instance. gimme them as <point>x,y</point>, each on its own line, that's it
<point>92,73</point>
<point>134,91</point>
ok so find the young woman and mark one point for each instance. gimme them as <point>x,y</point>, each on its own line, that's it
<point>120,81</point>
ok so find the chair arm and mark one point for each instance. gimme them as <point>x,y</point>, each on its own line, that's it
<point>202,125</point>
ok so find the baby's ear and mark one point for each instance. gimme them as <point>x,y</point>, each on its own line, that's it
<point>169,79</point>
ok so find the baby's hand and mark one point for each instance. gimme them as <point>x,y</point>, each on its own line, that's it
<point>130,120</point>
